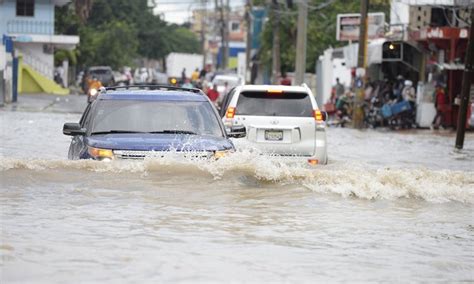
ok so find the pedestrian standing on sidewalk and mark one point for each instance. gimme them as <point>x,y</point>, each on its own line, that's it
<point>340,89</point>
<point>440,104</point>
<point>409,95</point>
<point>183,76</point>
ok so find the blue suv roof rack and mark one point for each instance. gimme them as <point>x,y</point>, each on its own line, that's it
<point>150,87</point>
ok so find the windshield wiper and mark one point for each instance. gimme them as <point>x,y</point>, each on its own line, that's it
<point>175,132</point>
<point>116,131</point>
<point>145,132</point>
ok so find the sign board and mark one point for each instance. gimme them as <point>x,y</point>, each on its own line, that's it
<point>348,26</point>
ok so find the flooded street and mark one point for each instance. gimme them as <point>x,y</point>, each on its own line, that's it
<point>390,206</point>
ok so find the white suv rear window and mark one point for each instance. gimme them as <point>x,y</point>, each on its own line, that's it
<point>260,103</point>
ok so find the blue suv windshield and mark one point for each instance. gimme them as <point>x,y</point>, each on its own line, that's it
<point>169,117</point>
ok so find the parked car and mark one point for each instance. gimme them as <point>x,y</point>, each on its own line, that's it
<point>136,122</point>
<point>121,79</point>
<point>158,77</point>
<point>225,83</point>
<point>279,120</point>
<point>102,73</point>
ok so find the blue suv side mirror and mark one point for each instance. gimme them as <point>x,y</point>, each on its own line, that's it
<point>73,129</point>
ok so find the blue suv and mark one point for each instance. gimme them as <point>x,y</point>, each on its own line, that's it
<point>134,122</point>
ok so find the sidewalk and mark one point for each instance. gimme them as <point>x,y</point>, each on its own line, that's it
<point>42,102</point>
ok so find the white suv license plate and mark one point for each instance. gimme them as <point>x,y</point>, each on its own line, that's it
<point>274,135</point>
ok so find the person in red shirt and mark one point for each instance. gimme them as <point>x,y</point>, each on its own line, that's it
<point>285,81</point>
<point>440,102</point>
<point>213,94</point>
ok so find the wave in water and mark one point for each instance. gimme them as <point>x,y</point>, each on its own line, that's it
<point>345,179</point>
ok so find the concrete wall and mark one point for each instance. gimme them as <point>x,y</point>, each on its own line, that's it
<point>399,13</point>
<point>6,82</point>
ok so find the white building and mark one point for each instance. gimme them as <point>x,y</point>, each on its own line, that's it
<point>30,23</point>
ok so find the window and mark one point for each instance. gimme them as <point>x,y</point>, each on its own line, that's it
<point>25,8</point>
<point>265,104</point>
<point>155,116</point>
<point>234,26</point>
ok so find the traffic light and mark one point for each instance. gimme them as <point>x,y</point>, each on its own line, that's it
<point>392,50</point>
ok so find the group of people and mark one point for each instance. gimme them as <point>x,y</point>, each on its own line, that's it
<point>377,94</point>
<point>201,79</point>
<point>197,79</point>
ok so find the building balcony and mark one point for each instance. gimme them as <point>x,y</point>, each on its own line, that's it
<point>22,26</point>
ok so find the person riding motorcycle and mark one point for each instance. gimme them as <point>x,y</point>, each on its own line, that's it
<point>93,88</point>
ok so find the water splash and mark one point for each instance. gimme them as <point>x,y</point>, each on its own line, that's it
<point>345,179</point>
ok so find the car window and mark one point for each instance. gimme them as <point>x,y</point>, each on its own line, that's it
<point>262,103</point>
<point>155,116</point>
<point>101,71</point>
<point>84,115</point>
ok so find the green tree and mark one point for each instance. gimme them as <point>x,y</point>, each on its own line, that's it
<point>114,44</point>
<point>114,32</point>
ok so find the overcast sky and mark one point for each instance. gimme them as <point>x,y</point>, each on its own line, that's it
<point>180,11</point>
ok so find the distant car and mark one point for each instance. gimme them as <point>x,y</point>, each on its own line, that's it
<point>121,79</point>
<point>158,77</point>
<point>232,80</point>
<point>135,123</point>
<point>279,120</point>
<point>103,73</point>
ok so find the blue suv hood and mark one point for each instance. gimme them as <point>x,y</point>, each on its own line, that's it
<point>159,142</point>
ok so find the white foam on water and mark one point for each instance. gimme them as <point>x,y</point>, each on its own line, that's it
<point>345,179</point>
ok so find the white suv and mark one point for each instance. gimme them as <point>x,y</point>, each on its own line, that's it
<point>278,120</point>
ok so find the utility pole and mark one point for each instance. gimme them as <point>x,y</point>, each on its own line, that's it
<point>224,35</point>
<point>300,64</point>
<point>358,110</point>
<point>218,24</point>
<point>248,48</point>
<point>203,32</point>
<point>276,42</point>
<point>466,86</point>
<point>226,29</point>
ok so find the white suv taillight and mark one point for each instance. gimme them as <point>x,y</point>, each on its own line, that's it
<point>230,112</point>
<point>319,116</point>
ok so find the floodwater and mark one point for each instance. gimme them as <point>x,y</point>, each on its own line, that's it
<point>390,206</point>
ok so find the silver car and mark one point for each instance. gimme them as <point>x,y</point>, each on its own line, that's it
<point>279,120</point>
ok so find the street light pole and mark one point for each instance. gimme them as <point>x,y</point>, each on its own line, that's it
<point>248,48</point>
<point>466,86</point>
<point>358,111</point>
<point>203,33</point>
<point>224,35</point>
<point>276,42</point>
<point>300,64</point>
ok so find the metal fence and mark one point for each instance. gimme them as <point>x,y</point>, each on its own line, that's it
<point>30,27</point>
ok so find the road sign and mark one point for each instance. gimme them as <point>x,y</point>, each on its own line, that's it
<point>348,26</point>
